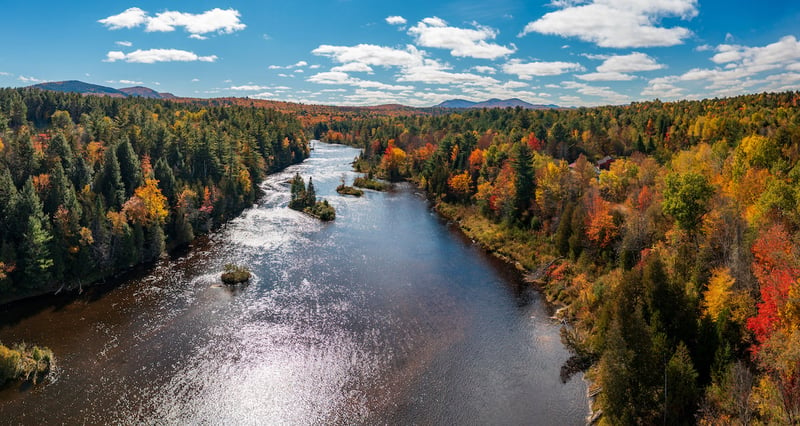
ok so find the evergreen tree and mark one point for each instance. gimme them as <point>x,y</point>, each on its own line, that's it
<point>8,202</point>
<point>129,166</point>
<point>524,185</point>
<point>110,181</point>
<point>58,150</point>
<point>36,259</point>
<point>311,194</point>
<point>166,180</point>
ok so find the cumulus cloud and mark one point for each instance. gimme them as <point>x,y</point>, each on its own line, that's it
<point>157,55</point>
<point>484,69</point>
<point>528,70</point>
<point>342,78</point>
<point>123,43</point>
<point>633,62</point>
<point>785,51</point>
<point>370,54</point>
<point>601,92</point>
<point>24,79</point>
<point>606,76</point>
<point>220,21</point>
<point>663,88</point>
<point>617,67</point>
<point>462,42</point>
<point>739,69</point>
<point>433,72</point>
<point>248,87</point>
<point>396,20</point>
<point>131,82</point>
<point>298,64</point>
<point>617,23</point>
<point>130,18</point>
<point>353,67</point>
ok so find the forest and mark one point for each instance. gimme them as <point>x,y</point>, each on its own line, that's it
<point>668,234</point>
<point>91,186</point>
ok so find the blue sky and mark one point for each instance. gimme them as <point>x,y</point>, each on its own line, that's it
<point>414,52</point>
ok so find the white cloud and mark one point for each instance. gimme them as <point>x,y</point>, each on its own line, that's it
<point>298,71</point>
<point>432,72</point>
<point>248,87</point>
<point>314,67</point>
<point>633,62</point>
<point>396,20</point>
<point>123,43</point>
<point>353,67</point>
<point>24,79</point>
<point>131,82</point>
<point>484,69</point>
<point>601,92</point>
<point>263,95</point>
<point>370,54</point>
<point>5,74</point>
<point>220,21</point>
<point>195,80</point>
<point>663,88</point>
<point>617,23</point>
<point>606,76</point>
<point>130,18</point>
<point>300,64</point>
<point>462,42</point>
<point>784,52</point>
<point>341,78</point>
<point>158,55</point>
<point>527,71</point>
<point>286,75</point>
<point>198,37</point>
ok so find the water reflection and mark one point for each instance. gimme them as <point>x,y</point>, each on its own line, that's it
<point>384,316</point>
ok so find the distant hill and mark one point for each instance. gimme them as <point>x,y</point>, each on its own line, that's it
<point>83,88</point>
<point>80,87</point>
<point>146,92</point>
<point>456,103</point>
<point>492,103</point>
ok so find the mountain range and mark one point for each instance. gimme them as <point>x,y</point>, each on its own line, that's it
<point>83,88</point>
<point>146,92</point>
<point>492,103</point>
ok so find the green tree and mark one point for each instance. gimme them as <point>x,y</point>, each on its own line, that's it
<point>524,184</point>
<point>686,198</point>
<point>36,259</point>
<point>110,181</point>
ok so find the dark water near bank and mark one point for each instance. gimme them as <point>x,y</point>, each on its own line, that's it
<point>384,316</point>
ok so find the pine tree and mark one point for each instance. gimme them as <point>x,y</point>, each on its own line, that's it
<point>524,184</point>
<point>110,181</point>
<point>36,259</point>
<point>129,166</point>
<point>311,194</point>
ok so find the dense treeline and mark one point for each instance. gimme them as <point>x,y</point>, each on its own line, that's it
<point>93,185</point>
<point>671,231</point>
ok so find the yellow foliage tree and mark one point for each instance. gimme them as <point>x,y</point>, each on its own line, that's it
<point>719,292</point>
<point>147,206</point>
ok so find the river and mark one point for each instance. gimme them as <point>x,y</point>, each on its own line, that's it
<point>385,316</point>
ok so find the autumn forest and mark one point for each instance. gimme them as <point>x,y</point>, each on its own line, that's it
<point>665,234</point>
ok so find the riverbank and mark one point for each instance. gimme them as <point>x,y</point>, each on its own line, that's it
<point>98,277</point>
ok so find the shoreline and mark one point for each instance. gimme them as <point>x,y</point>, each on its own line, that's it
<point>112,278</point>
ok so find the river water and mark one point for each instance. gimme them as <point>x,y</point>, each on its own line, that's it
<point>385,316</point>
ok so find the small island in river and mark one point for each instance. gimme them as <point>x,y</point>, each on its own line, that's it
<point>304,199</point>
<point>24,362</point>
<point>235,274</point>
